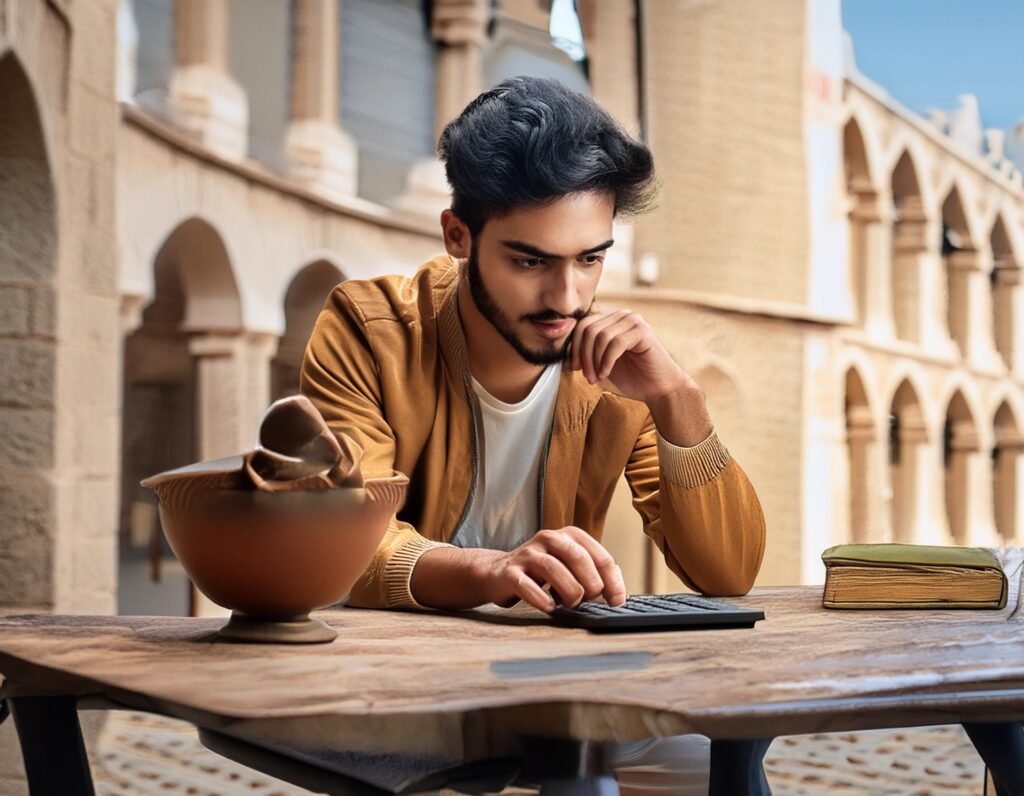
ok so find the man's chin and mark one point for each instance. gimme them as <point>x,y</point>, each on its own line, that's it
<point>547,354</point>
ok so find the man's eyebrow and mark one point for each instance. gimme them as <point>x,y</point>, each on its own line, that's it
<point>533,251</point>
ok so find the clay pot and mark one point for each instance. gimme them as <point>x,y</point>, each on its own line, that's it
<point>272,557</point>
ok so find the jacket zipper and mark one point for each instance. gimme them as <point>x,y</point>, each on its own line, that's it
<point>475,409</point>
<point>543,477</point>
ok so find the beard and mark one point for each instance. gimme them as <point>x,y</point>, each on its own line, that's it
<point>550,352</point>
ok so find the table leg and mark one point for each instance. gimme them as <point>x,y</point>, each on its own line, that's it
<point>737,768</point>
<point>52,745</point>
<point>1001,746</point>
<point>569,768</point>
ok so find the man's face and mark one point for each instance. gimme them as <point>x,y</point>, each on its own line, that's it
<point>533,272</point>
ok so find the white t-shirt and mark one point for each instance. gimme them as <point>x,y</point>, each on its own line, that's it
<point>504,510</point>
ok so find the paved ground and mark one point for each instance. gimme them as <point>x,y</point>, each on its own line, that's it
<point>144,755</point>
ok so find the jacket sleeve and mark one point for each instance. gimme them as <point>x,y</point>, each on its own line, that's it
<point>340,376</point>
<point>701,511</point>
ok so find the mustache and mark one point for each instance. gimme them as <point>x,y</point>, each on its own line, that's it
<point>548,316</point>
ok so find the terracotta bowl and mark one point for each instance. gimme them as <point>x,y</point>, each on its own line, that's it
<point>272,557</point>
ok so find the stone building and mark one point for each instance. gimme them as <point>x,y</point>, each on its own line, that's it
<point>183,181</point>
<point>840,275</point>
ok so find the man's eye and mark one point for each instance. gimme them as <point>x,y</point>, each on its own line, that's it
<point>593,259</point>
<point>528,262</point>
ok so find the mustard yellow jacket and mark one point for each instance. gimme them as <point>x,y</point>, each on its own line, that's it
<point>387,362</point>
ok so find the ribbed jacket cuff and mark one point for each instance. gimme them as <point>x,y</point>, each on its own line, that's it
<point>691,467</point>
<point>398,572</point>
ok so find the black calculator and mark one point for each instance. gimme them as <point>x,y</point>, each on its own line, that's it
<point>656,612</point>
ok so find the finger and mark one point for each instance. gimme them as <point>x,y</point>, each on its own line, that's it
<point>614,586</point>
<point>626,326</point>
<point>587,337</point>
<point>529,591</point>
<point>577,337</point>
<point>578,560</point>
<point>619,345</point>
<point>553,572</point>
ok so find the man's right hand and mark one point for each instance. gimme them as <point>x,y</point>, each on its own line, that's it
<point>569,560</point>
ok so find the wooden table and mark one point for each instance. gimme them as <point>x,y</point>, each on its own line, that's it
<point>434,691</point>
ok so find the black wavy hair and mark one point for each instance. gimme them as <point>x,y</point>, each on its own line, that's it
<point>531,140</point>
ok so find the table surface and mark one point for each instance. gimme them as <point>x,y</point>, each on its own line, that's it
<point>467,685</point>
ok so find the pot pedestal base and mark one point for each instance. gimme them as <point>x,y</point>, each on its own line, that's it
<point>257,630</point>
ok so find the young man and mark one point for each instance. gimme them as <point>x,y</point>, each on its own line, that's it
<point>513,403</point>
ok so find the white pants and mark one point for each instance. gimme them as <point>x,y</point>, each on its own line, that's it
<point>675,766</point>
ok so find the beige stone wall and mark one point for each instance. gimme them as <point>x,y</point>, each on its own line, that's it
<point>59,341</point>
<point>723,107</point>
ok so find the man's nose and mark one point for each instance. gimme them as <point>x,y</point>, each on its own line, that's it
<point>561,290</point>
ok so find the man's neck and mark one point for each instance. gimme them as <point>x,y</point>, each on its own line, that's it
<point>494,363</point>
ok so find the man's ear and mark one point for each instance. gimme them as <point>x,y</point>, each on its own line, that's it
<point>457,239</point>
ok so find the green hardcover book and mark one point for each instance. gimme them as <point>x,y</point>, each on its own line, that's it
<point>905,576</point>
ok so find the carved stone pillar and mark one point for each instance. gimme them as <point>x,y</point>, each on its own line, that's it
<point>204,98</point>
<point>913,472</point>
<point>609,30</point>
<point>865,503</point>
<point>232,391</point>
<point>320,153</point>
<point>1006,303</point>
<point>962,274</point>
<point>460,29</point>
<point>909,252</point>
<point>876,236</point>
<point>1008,486</point>
<point>862,217</point>
<point>964,509</point>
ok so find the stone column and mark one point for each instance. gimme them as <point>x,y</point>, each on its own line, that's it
<point>912,478</point>
<point>460,29</point>
<point>863,215</point>
<point>1008,486</point>
<point>861,439</point>
<point>204,98</point>
<point>962,505</point>
<point>877,260</point>
<point>909,248</point>
<point>963,273</point>
<point>609,30</point>
<point>320,153</point>
<point>1006,291</point>
<point>232,391</point>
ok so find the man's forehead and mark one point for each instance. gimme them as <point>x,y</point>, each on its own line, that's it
<point>565,227</point>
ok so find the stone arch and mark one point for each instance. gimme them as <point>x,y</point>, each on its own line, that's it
<point>196,251</point>
<point>1005,278</point>
<point>28,247</point>
<point>1007,473</point>
<point>959,450</point>
<point>908,245</point>
<point>302,303</point>
<point>960,259</point>
<point>187,389</point>
<point>862,200</point>
<point>861,439</point>
<point>28,263</point>
<point>907,440</point>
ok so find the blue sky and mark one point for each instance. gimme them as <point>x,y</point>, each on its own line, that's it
<point>926,53</point>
